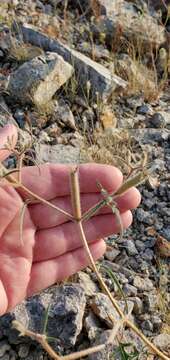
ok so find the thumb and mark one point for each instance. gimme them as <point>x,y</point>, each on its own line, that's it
<point>7,132</point>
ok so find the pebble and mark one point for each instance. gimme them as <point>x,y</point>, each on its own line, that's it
<point>130,248</point>
<point>138,305</point>
<point>150,302</point>
<point>143,284</point>
<point>148,255</point>
<point>144,216</point>
<point>140,245</point>
<point>19,115</point>
<point>147,325</point>
<point>162,341</point>
<point>4,347</point>
<point>144,109</point>
<point>157,323</point>
<point>129,290</point>
<point>111,255</point>
<point>157,120</point>
<point>23,350</point>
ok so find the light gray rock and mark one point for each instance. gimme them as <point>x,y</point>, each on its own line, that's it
<point>138,305</point>
<point>4,347</point>
<point>57,154</point>
<point>100,78</point>
<point>92,326</point>
<point>23,350</point>
<point>162,341</point>
<point>37,80</point>
<point>130,247</point>
<point>143,284</point>
<point>135,25</point>
<point>89,286</point>
<point>63,116</point>
<point>129,290</point>
<point>150,302</point>
<point>111,254</point>
<point>103,308</point>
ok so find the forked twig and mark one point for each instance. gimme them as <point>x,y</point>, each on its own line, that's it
<point>78,218</point>
<point>127,322</point>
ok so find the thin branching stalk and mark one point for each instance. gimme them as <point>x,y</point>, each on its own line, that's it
<point>42,339</point>
<point>13,181</point>
<point>78,219</point>
<point>126,321</point>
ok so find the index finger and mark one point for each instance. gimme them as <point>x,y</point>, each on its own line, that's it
<point>53,180</point>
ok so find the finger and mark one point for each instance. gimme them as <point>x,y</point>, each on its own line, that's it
<point>53,180</point>
<point>3,299</point>
<point>47,273</point>
<point>45,217</point>
<point>8,131</point>
<point>62,239</point>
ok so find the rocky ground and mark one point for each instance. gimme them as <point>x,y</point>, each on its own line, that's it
<point>91,80</point>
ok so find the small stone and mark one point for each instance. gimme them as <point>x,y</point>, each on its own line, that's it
<point>20,118</point>
<point>108,349</point>
<point>63,116</point>
<point>144,216</point>
<point>140,245</point>
<point>88,285</point>
<point>92,326</point>
<point>103,308</point>
<point>162,341</point>
<point>143,284</point>
<point>147,325</point>
<point>160,119</point>
<point>37,80</point>
<point>130,247</point>
<point>150,302</point>
<point>1,54</point>
<point>148,254</point>
<point>144,109</point>
<point>23,350</point>
<point>129,290</point>
<point>157,323</point>
<point>112,254</point>
<point>138,305</point>
<point>4,347</point>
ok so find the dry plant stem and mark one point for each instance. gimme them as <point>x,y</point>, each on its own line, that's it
<point>134,181</point>
<point>75,194</point>
<point>139,178</point>
<point>43,341</point>
<point>13,182</point>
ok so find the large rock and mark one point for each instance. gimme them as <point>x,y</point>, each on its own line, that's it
<point>100,78</point>
<point>37,80</point>
<point>57,154</point>
<point>124,19</point>
<point>67,304</point>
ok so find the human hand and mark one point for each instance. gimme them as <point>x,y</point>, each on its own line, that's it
<point>51,248</point>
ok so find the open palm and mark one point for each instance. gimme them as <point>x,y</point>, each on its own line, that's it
<point>51,248</point>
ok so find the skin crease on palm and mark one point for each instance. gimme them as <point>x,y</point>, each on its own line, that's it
<point>51,249</point>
